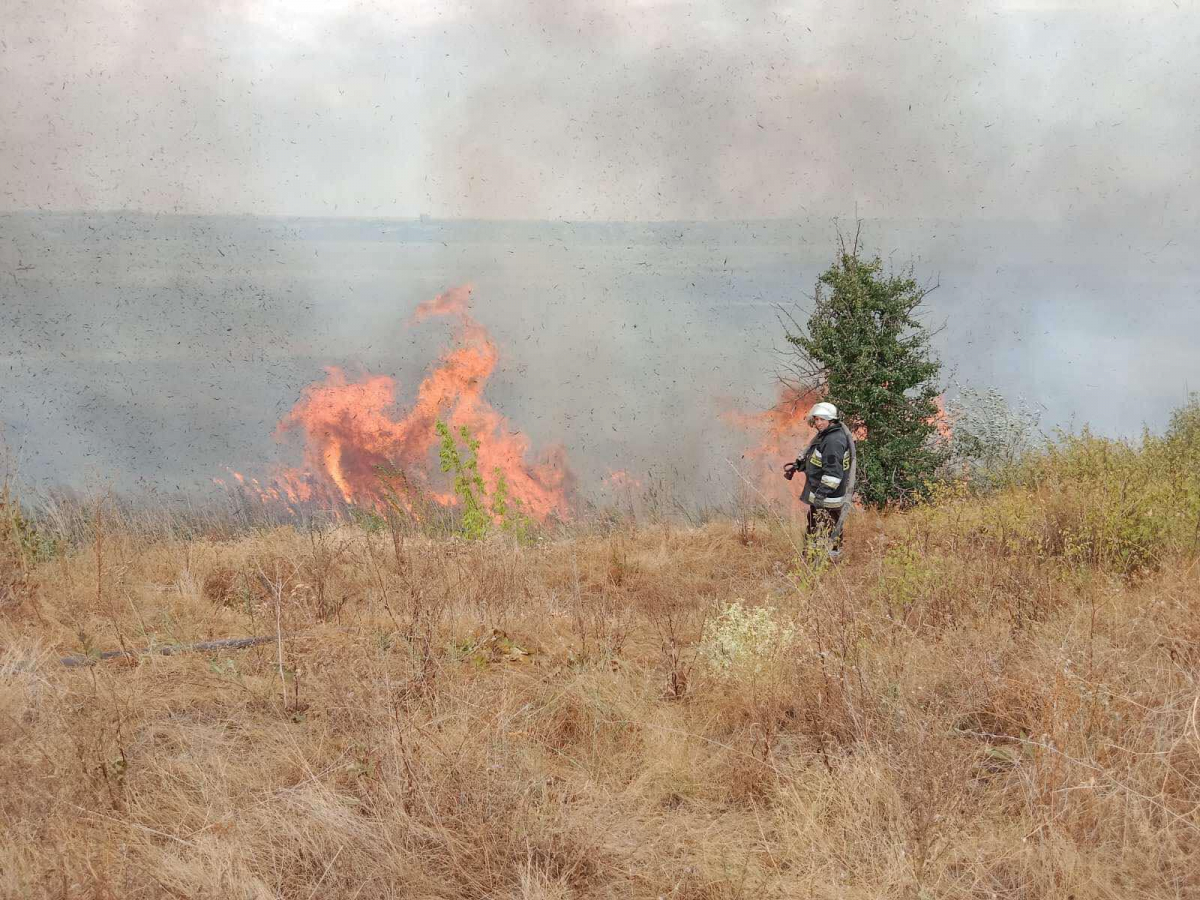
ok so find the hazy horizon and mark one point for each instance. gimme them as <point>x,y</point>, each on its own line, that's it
<point>145,354</point>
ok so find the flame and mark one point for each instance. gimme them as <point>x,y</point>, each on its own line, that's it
<point>352,429</point>
<point>619,480</point>
<point>941,419</point>
<point>779,435</point>
<point>452,303</point>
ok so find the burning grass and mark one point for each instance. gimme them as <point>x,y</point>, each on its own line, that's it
<point>354,431</point>
<point>939,716</point>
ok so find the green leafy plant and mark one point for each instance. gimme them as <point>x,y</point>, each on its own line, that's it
<point>369,520</point>
<point>811,562</point>
<point>468,483</point>
<point>22,546</point>
<point>865,349</point>
<point>509,511</point>
<point>480,513</point>
<point>20,536</point>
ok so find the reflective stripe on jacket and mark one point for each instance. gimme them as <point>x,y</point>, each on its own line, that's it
<point>825,464</point>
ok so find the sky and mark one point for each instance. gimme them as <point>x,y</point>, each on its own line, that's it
<point>644,110</point>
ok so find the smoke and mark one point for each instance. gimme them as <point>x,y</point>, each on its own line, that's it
<point>609,110</point>
<point>1035,157</point>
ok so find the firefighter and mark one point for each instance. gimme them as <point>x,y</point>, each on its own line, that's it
<point>829,466</point>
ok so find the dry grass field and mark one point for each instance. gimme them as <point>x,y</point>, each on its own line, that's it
<point>980,701</point>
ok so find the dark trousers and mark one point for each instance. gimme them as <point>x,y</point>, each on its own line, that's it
<point>822,522</point>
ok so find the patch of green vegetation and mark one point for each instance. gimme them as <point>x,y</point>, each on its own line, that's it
<point>907,577</point>
<point>479,513</point>
<point>21,540</point>
<point>1087,500</point>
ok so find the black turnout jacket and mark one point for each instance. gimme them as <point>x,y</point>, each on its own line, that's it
<point>826,464</point>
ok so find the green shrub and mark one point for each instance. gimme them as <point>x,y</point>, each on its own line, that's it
<point>865,348</point>
<point>468,483</point>
<point>22,546</point>
<point>1085,499</point>
<point>989,436</point>
<point>369,520</point>
<point>1178,452</point>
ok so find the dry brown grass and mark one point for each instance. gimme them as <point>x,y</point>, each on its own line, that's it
<point>443,720</point>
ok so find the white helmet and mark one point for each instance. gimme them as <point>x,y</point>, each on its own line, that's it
<point>822,411</point>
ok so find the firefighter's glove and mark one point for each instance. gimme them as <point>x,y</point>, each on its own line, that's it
<point>789,470</point>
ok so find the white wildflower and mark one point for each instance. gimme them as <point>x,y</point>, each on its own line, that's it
<point>741,641</point>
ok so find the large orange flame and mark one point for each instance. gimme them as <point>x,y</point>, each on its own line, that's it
<point>353,431</point>
<point>778,436</point>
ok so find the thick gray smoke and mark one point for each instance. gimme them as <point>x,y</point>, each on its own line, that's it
<point>161,305</point>
<point>1049,110</point>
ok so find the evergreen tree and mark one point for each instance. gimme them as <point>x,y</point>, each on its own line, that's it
<point>866,352</point>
